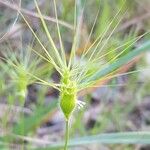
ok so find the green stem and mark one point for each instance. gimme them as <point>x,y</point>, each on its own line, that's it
<point>66,135</point>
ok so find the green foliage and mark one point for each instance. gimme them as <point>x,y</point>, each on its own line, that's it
<point>119,62</point>
<point>30,123</point>
<point>106,54</point>
<point>111,138</point>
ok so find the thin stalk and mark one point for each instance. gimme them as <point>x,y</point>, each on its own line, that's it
<point>22,102</point>
<point>66,135</point>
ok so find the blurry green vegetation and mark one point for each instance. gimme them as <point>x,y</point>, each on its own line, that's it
<point>19,63</point>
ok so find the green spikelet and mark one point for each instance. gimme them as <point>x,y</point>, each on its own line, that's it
<point>68,95</point>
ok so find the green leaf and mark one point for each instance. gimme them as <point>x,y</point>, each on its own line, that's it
<point>110,138</point>
<point>119,62</point>
<point>104,18</point>
<point>27,124</point>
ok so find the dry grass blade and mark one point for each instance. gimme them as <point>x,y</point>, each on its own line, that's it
<point>33,14</point>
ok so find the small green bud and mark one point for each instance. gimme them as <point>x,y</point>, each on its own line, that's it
<point>68,96</point>
<point>67,102</point>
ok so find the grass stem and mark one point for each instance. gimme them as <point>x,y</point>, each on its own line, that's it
<point>66,135</point>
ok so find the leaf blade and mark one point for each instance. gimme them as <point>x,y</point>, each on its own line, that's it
<point>119,62</point>
<point>108,138</point>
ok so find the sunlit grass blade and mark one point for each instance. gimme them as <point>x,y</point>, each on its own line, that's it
<point>129,44</point>
<point>118,55</point>
<point>125,47</point>
<point>104,33</point>
<point>39,41</point>
<point>77,24</point>
<point>56,86</point>
<point>105,42</point>
<point>91,32</point>
<point>59,35</point>
<point>99,40</point>
<point>59,58</point>
<point>113,75</point>
<point>119,62</point>
<point>83,73</point>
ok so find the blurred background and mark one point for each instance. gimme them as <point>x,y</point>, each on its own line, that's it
<point>119,104</point>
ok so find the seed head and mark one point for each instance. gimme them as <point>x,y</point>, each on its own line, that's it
<point>68,94</point>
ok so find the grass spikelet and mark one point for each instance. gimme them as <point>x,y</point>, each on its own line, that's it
<point>77,72</point>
